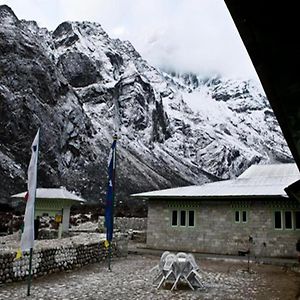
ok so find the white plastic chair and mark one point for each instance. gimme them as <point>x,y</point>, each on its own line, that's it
<point>167,270</point>
<point>182,268</point>
<point>192,260</point>
<point>159,266</point>
<point>193,275</point>
<point>182,255</point>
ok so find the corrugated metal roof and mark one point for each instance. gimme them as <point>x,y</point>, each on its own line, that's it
<point>257,181</point>
<point>52,193</point>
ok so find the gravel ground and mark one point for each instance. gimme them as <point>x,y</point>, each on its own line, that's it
<point>131,278</point>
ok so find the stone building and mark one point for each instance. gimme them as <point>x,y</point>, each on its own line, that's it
<point>252,211</point>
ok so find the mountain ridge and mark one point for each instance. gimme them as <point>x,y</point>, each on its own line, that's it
<point>174,129</point>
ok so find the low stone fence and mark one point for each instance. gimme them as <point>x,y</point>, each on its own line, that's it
<point>124,224</point>
<point>49,260</point>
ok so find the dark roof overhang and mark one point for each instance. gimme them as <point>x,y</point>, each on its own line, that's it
<point>270,30</point>
<point>293,190</point>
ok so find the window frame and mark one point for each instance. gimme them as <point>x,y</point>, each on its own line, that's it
<point>292,221</point>
<point>172,214</point>
<point>189,218</point>
<point>281,219</point>
<point>237,213</point>
<point>185,218</point>
<point>295,223</point>
<point>246,214</point>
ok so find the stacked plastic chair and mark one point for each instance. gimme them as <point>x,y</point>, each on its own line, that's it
<point>168,270</point>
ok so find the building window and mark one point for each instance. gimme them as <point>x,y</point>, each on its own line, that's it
<point>191,218</point>
<point>288,220</point>
<point>244,216</point>
<point>174,218</point>
<point>297,219</point>
<point>278,220</point>
<point>237,216</point>
<point>182,218</point>
<point>241,216</point>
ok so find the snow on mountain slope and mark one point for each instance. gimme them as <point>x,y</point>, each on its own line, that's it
<point>233,122</point>
<point>175,129</point>
<point>220,126</point>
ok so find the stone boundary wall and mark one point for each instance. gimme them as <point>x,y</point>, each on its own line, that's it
<point>124,224</point>
<point>47,261</point>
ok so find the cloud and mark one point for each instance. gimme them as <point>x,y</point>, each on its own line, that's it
<point>118,31</point>
<point>189,35</point>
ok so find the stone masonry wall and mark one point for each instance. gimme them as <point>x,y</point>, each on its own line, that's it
<point>124,224</point>
<point>47,261</point>
<point>215,230</point>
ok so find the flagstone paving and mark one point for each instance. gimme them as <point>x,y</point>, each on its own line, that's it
<point>131,278</point>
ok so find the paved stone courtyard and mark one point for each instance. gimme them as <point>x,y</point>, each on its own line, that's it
<point>131,279</point>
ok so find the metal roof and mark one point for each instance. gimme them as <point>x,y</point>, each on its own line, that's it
<point>257,181</point>
<point>52,193</point>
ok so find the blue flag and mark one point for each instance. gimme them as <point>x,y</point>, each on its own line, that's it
<point>109,205</point>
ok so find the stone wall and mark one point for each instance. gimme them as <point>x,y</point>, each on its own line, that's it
<point>47,261</point>
<point>216,231</point>
<point>124,224</point>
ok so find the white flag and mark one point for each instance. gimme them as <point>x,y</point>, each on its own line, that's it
<point>27,239</point>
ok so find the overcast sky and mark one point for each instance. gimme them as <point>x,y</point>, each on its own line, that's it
<point>185,35</point>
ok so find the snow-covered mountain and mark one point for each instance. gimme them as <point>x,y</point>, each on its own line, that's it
<point>233,122</point>
<point>175,129</point>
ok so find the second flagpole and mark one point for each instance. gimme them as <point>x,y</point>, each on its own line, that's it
<point>113,180</point>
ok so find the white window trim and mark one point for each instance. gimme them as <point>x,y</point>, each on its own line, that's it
<point>187,218</point>
<point>281,215</point>
<point>244,222</point>
<point>172,217</point>
<point>235,221</point>
<point>188,223</point>
<point>292,219</point>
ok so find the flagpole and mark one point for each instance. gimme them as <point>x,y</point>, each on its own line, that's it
<point>29,276</point>
<point>31,252</point>
<point>109,210</point>
<point>115,138</point>
<point>109,255</point>
<point>30,255</point>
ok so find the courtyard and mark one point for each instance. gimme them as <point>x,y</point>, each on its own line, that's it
<point>131,278</point>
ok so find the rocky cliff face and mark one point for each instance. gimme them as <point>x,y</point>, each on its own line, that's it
<point>78,85</point>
